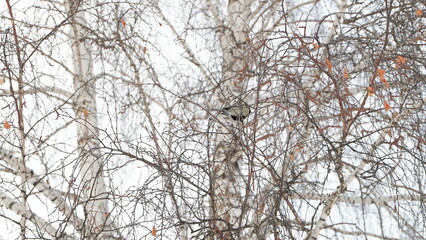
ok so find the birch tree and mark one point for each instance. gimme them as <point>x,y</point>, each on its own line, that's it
<point>93,186</point>
<point>108,130</point>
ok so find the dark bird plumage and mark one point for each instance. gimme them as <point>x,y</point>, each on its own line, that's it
<point>237,112</point>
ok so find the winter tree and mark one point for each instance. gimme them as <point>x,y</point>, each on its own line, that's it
<point>110,128</point>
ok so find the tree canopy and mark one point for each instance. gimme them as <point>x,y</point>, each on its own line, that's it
<point>108,129</point>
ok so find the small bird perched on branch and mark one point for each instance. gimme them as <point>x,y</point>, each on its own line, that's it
<point>238,112</point>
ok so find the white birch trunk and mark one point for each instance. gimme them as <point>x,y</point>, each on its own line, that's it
<point>93,186</point>
<point>234,43</point>
<point>227,181</point>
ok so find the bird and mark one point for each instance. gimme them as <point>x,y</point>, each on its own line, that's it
<point>237,112</point>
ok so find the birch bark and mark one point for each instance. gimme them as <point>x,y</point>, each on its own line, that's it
<point>227,181</point>
<point>93,185</point>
